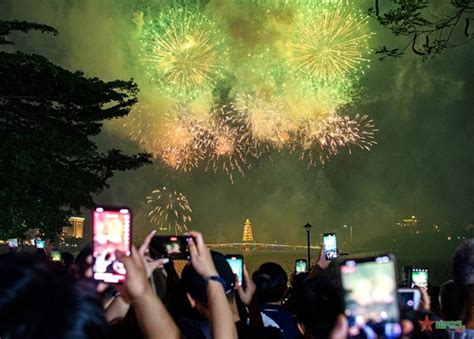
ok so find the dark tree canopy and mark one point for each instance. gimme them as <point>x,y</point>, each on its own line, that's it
<point>427,34</point>
<point>50,167</point>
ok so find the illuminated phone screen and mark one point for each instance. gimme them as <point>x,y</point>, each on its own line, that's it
<point>301,266</point>
<point>330,246</point>
<point>39,243</point>
<point>13,243</point>
<point>419,277</point>
<point>236,265</point>
<point>111,233</point>
<point>370,297</point>
<point>55,255</point>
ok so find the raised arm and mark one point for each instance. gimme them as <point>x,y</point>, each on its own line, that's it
<point>222,321</point>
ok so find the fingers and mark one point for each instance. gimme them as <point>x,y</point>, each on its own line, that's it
<point>146,243</point>
<point>198,239</point>
<point>192,249</point>
<point>155,264</point>
<point>246,276</point>
<point>407,327</point>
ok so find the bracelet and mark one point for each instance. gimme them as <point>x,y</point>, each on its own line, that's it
<point>218,279</point>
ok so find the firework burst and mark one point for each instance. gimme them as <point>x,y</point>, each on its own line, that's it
<point>182,51</point>
<point>334,134</point>
<point>170,210</point>
<point>228,142</point>
<point>329,41</point>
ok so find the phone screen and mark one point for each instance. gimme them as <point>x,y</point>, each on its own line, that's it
<point>13,243</point>
<point>236,263</point>
<point>370,297</point>
<point>55,255</point>
<point>330,245</point>
<point>301,265</point>
<point>408,298</point>
<point>111,232</point>
<point>419,277</point>
<point>169,246</point>
<point>39,243</point>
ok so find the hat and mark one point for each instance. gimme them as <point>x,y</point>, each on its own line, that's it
<point>195,285</point>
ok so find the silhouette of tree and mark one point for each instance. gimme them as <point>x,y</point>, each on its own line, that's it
<point>428,34</point>
<point>50,166</point>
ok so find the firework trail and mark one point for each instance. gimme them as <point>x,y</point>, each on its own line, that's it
<point>334,134</point>
<point>170,210</point>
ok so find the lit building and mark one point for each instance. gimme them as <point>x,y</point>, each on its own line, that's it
<point>248,233</point>
<point>75,229</point>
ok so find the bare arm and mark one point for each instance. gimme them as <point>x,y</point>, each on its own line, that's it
<point>222,321</point>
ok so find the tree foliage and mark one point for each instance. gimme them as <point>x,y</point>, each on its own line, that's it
<point>427,34</point>
<point>50,167</point>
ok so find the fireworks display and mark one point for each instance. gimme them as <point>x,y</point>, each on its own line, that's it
<point>170,210</point>
<point>182,51</point>
<point>329,41</point>
<point>238,90</point>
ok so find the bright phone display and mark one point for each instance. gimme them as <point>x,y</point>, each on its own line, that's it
<point>39,243</point>
<point>111,232</point>
<point>409,298</point>
<point>419,277</point>
<point>370,296</point>
<point>55,255</point>
<point>236,263</point>
<point>169,246</point>
<point>301,265</point>
<point>330,245</point>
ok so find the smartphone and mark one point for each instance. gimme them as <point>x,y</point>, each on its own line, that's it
<point>56,255</point>
<point>419,277</point>
<point>236,263</point>
<point>409,298</point>
<point>330,246</point>
<point>39,243</point>
<point>170,246</point>
<point>369,287</point>
<point>111,232</point>
<point>301,265</point>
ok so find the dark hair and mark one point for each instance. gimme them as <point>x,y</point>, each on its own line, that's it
<point>36,302</point>
<point>195,285</point>
<point>318,303</point>
<point>271,282</point>
<point>451,301</point>
<point>463,263</point>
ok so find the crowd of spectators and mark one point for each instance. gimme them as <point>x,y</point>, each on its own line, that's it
<point>40,298</point>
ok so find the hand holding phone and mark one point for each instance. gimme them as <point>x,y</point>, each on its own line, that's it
<point>40,243</point>
<point>330,246</point>
<point>419,277</point>
<point>236,263</point>
<point>56,255</point>
<point>169,246</point>
<point>409,298</point>
<point>369,288</point>
<point>111,232</point>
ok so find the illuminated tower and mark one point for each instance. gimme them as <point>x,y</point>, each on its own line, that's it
<point>75,229</point>
<point>248,234</point>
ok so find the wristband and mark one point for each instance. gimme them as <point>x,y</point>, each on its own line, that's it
<point>218,279</point>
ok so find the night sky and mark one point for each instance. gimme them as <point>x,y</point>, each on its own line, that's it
<point>422,165</point>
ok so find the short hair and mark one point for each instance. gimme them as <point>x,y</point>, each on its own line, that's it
<point>451,301</point>
<point>195,285</point>
<point>271,281</point>
<point>463,263</point>
<point>36,302</point>
<point>318,303</point>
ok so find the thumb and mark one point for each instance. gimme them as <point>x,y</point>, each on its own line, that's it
<point>341,329</point>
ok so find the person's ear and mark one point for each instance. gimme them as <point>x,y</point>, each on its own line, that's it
<point>301,328</point>
<point>191,300</point>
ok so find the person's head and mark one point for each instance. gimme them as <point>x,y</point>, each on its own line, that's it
<point>271,281</point>
<point>195,285</point>
<point>317,304</point>
<point>450,301</point>
<point>68,259</point>
<point>35,302</point>
<point>463,264</point>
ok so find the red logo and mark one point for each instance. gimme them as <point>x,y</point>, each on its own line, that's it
<point>426,324</point>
